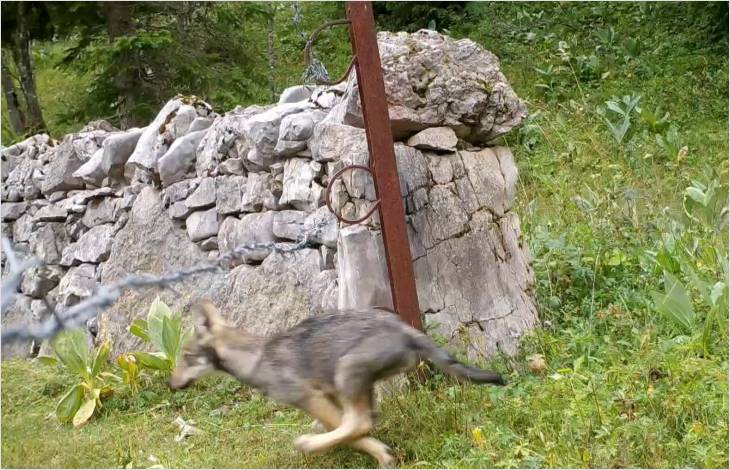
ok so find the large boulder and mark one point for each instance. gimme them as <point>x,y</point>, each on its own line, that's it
<point>473,274</point>
<point>432,80</point>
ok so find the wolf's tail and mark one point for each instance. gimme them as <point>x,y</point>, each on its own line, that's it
<point>446,363</point>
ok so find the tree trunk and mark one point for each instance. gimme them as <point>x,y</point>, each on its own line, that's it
<point>118,18</point>
<point>119,22</point>
<point>272,58</point>
<point>24,61</point>
<point>17,117</point>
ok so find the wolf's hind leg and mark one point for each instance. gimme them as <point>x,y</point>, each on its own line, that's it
<point>329,414</point>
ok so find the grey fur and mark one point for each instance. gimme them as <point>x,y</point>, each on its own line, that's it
<point>326,365</point>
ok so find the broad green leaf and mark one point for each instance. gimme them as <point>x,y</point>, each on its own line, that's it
<point>171,337</point>
<point>718,291</point>
<point>69,404</point>
<point>73,351</point>
<point>675,304</point>
<point>140,329</point>
<point>101,357</point>
<point>153,362</point>
<point>84,413</point>
<point>613,106</point>
<point>48,360</point>
<point>696,194</point>
<point>158,311</point>
<point>110,376</point>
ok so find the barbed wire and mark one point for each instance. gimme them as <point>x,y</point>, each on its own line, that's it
<point>105,296</point>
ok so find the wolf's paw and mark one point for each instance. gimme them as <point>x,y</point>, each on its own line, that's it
<point>306,443</point>
<point>386,459</point>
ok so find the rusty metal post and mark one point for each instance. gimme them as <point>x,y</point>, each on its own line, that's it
<point>383,162</point>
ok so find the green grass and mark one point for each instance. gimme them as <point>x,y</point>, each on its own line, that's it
<point>623,386</point>
<point>611,397</point>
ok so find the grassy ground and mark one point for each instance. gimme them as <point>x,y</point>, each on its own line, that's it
<point>623,387</point>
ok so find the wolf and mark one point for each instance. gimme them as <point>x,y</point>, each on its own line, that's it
<point>327,365</point>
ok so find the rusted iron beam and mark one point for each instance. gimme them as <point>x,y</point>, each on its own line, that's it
<point>382,157</point>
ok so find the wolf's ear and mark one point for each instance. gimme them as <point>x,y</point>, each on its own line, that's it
<point>206,317</point>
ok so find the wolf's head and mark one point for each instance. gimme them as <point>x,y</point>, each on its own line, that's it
<point>199,356</point>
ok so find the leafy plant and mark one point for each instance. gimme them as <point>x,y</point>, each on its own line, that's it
<point>164,330</point>
<point>588,67</point>
<point>657,120</point>
<point>707,204</point>
<point>623,108</point>
<point>550,79</point>
<point>693,258</point>
<point>80,402</point>
<point>530,134</point>
<point>632,48</point>
<point>130,371</point>
<point>670,143</point>
<point>606,35</point>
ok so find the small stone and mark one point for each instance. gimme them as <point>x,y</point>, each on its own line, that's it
<point>179,210</point>
<point>209,244</point>
<point>201,225</point>
<point>92,247</point>
<point>57,196</point>
<point>229,194</point>
<point>288,224</point>
<point>328,257</point>
<point>51,213</point>
<point>295,94</point>
<point>39,281</point>
<point>441,169</point>
<point>232,166</point>
<point>251,229</point>
<point>13,210</point>
<point>48,241</point>
<point>435,138</point>
<point>321,227</point>
<point>101,211</point>
<point>204,196</point>
<point>178,163</point>
<point>78,283</point>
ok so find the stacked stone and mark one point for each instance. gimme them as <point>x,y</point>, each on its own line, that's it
<point>103,203</point>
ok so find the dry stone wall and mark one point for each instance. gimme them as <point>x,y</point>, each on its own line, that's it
<point>105,203</point>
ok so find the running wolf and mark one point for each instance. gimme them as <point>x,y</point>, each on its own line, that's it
<point>326,365</point>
